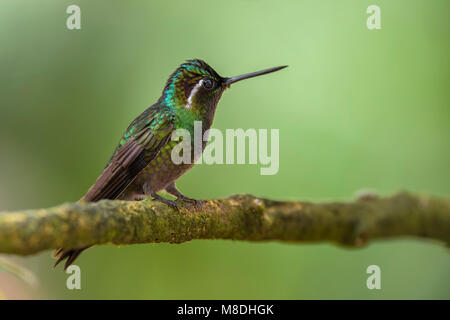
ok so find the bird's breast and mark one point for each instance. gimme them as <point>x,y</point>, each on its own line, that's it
<point>162,170</point>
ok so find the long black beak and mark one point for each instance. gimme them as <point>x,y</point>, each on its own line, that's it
<point>229,81</point>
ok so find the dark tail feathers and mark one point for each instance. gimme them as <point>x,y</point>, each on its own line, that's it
<point>71,254</point>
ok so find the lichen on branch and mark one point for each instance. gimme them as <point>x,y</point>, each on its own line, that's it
<point>240,217</point>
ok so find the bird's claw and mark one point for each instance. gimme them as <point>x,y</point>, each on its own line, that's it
<point>173,205</point>
<point>197,203</point>
<point>170,203</point>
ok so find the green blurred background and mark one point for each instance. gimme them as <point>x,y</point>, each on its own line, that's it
<point>356,109</point>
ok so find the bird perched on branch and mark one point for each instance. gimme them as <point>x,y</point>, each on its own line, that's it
<point>141,165</point>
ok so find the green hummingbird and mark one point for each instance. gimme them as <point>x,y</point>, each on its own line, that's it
<point>141,164</point>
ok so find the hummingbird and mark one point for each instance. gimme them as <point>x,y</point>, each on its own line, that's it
<point>141,164</point>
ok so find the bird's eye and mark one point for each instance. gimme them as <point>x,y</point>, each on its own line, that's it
<point>208,83</point>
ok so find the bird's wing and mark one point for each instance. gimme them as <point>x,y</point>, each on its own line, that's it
<point>140,144</point>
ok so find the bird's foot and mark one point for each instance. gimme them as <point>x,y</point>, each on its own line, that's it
<point>197,203</point>
<point>174,191</point>
<point>170,203</point>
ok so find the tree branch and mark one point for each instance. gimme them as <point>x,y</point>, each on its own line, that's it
<point>241,217</point>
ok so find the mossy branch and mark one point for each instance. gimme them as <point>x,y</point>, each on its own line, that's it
<point>241,217</point>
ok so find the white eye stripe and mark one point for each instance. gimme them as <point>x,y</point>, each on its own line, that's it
<point>188,105</point>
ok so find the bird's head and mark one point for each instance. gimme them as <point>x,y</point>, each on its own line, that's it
<point>196,86</point>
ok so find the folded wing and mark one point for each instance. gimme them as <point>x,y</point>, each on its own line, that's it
<point>145,138</point>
